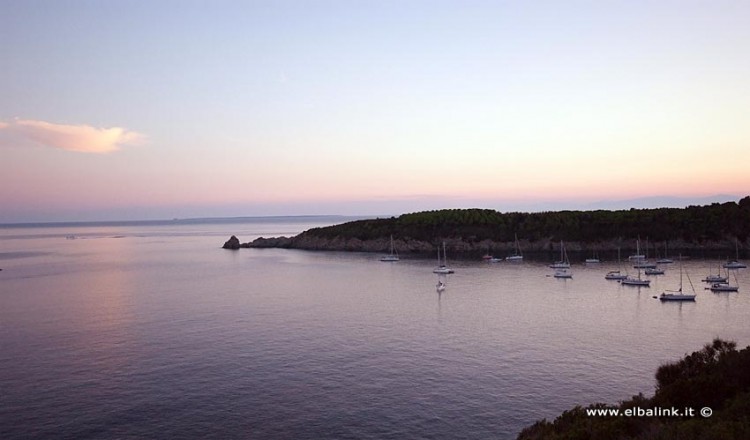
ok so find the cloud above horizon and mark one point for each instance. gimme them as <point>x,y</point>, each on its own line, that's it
<point>79,138</point>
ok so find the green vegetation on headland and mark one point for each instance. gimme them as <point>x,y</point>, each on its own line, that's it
<point>716,377</point>
<point>695,229</point>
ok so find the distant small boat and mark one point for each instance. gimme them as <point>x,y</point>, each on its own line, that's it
<point>735,264</point>
<point>711,278</point>
<point>672,295</point>
<point>635,282</point>
<point>564,263</point>
<point>654,271</point>
<point>628,281</point>
<point>616,274</point>
<point>593,260</point>
<point>714,279</point>
<point>638,256</point>
<point>723,287</point>
<point>393,256</point>
<point>563,273</point>
<point>666,259</point>
<point>442,268</point>
<point>517,256</point>
<point>644,264</point>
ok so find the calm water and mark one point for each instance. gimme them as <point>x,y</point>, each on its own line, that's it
<point>153,331</point>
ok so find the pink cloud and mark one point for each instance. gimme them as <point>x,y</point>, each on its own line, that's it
<point>81,138</point>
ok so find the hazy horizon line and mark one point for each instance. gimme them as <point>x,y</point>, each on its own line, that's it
<point>650,202</point>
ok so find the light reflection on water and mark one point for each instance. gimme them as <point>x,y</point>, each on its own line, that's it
<point>158,335</point>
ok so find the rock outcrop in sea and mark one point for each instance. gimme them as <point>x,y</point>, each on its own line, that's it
<point>232,243</point>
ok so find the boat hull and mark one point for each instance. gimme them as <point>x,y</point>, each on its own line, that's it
<point>668,297</point>
<point>639,283</point>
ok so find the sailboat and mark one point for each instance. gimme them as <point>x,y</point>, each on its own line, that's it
<point>593,260</point>
<point>666,259</point>
<point>638,256</point>
<point>563,263</point>
<point>635,281</point>
<point>711,278</point>
<point>642,263</point>
<point>517,255</point>
<point>442,267</point>
<point>616,274</point>
<point>672,295</point>
<point>653,271</point>
<point>725,286</point>
<point>393,256</point>
<point>735,264</point>
<point>562,267</point>
<point>628,281</point>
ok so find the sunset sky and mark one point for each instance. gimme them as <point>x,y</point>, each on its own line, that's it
<point>143,110</point>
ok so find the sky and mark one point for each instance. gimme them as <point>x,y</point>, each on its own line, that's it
<point>149,110</point>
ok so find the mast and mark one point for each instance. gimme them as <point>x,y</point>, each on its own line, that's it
<point>518,245</point>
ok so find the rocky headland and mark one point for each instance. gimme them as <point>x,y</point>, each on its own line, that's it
<point>715,230</point>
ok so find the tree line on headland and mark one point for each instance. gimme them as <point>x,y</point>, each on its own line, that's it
<point>711,227</point>
<point>716,377</point>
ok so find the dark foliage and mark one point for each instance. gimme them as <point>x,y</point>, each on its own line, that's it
<point>718,377</point>
<point>693,224</point>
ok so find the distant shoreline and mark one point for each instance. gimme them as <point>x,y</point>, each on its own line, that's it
<point>184,221</point>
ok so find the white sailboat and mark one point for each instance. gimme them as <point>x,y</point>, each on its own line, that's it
<point>666,259</point>
<point>562,267</point>
<point>393,256</point>
<point>517,255</point>
<point>592,260</point>
<point>654,271</point>
<point>642,263</point>
<point>725,286</point>
<point>616,274</point>
<point>628,281</point>
<point>718,278</point>
<point>678,295</point>
<point>442,267</point>
<point>638,256</point>
<point>563,263</point>
<point>735,264</point>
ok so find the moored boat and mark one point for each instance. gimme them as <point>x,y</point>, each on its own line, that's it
<point>678,295</point>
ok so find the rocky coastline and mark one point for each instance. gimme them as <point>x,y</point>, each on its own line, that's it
<point>462,248</point>
<point>711,231</point>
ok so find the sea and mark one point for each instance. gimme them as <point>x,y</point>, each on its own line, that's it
<point>150,330</point>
